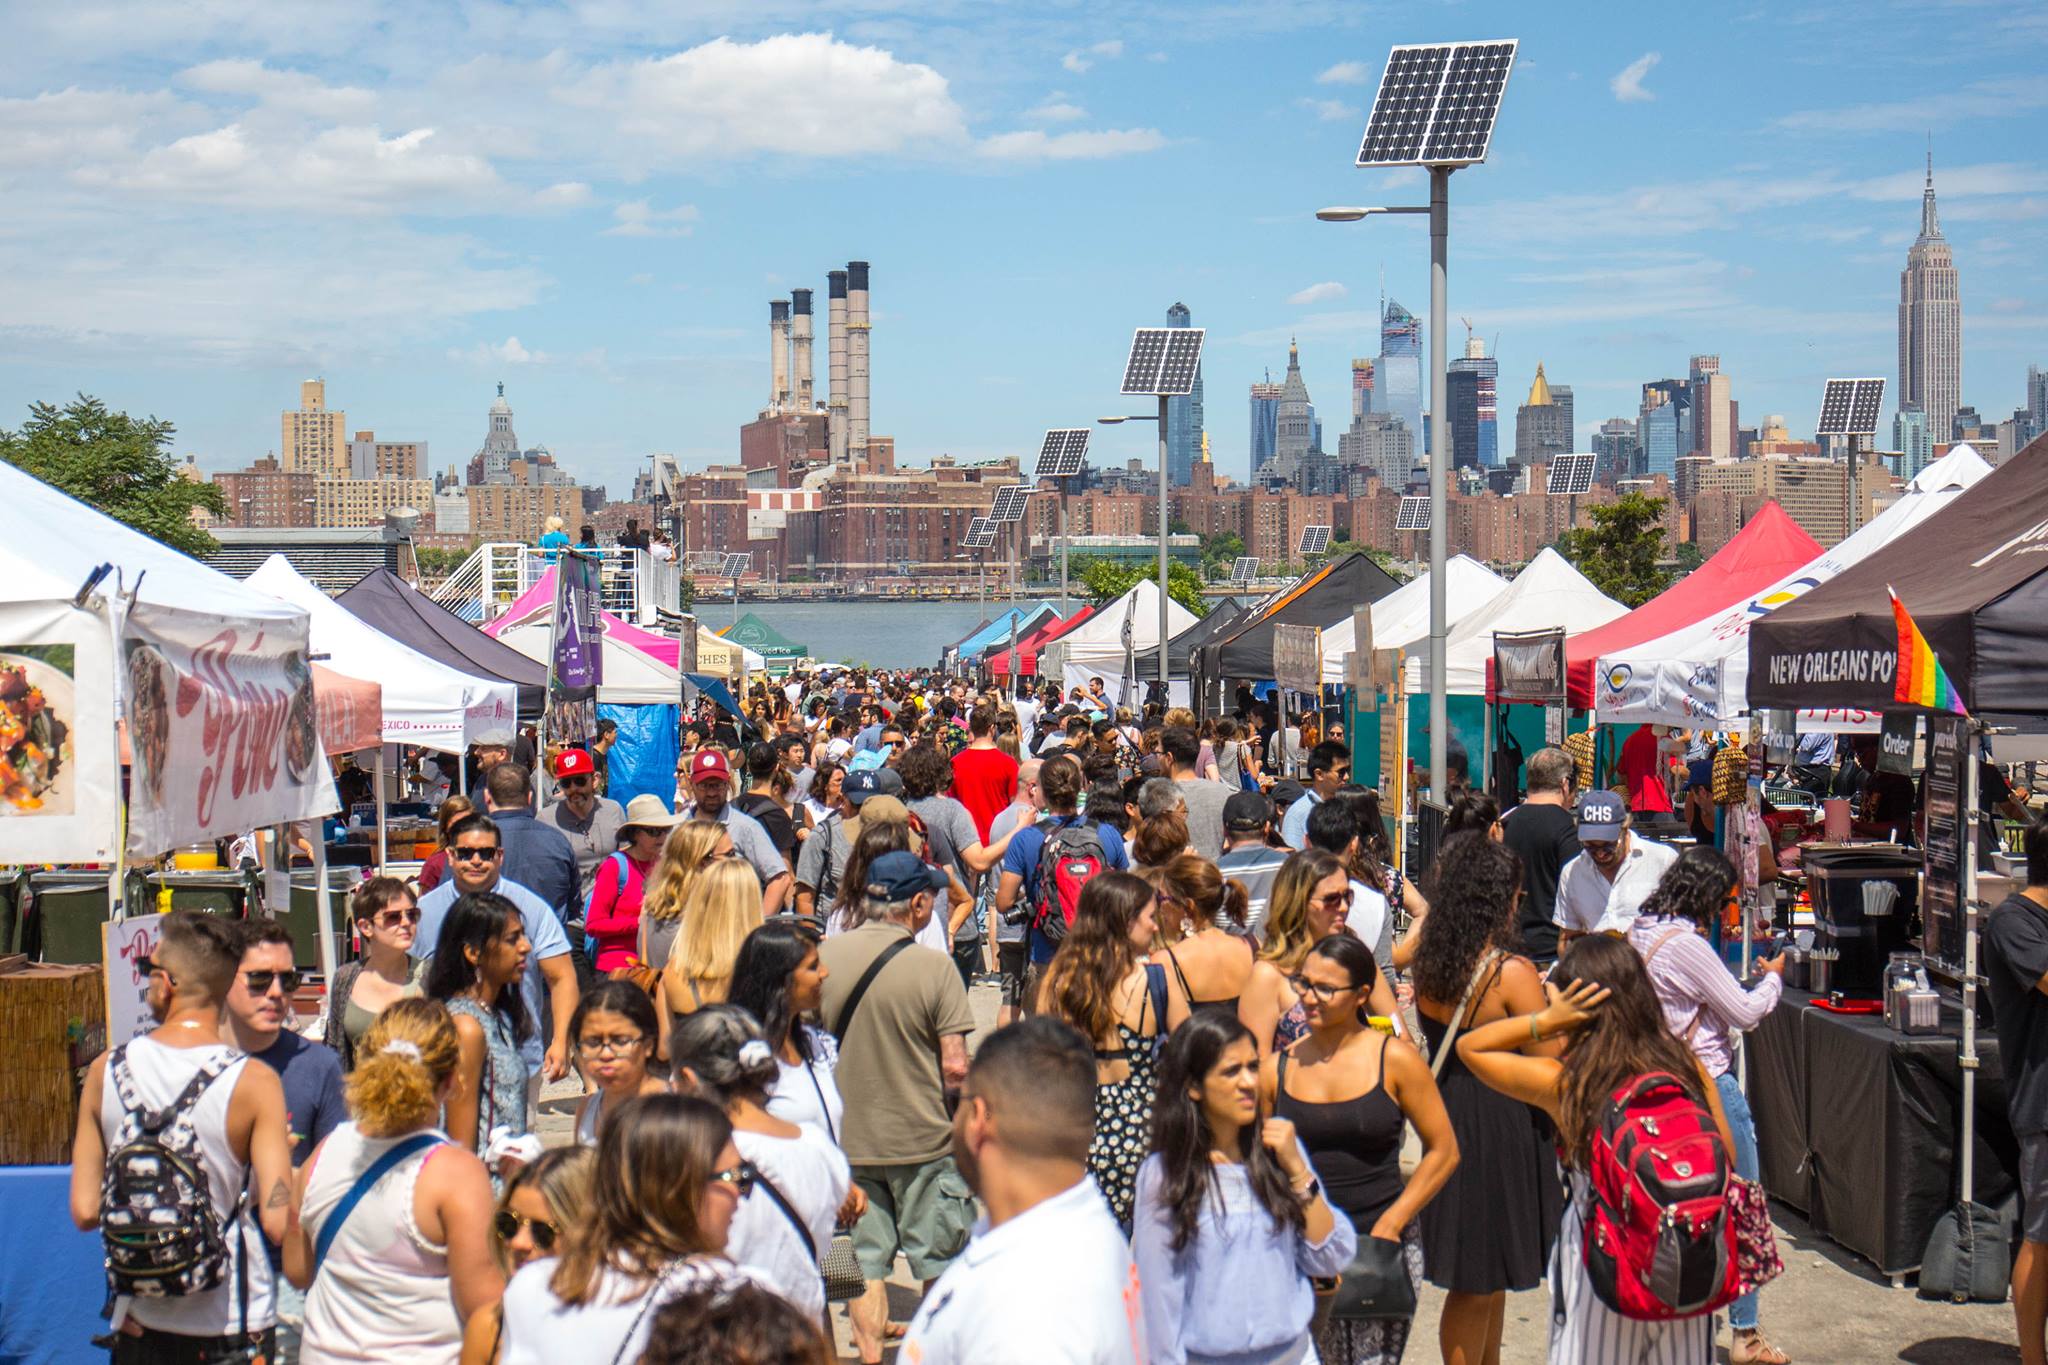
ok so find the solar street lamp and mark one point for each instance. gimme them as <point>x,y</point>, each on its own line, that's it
<point>1436,108</point>
<point>1163,362</point>
<point>1060,458</point>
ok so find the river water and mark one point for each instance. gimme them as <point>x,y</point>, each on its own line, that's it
<point>885,634</point>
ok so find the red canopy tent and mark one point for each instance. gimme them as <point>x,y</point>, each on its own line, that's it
<point>1763,552</point>
<point>1029,645</point>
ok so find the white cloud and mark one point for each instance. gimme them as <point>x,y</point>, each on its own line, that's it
<point>1331,111</point>
<point>1627,84</point>
<point>566,194</point>
<point>288,91</point>
<point>1345,73</point>
<point>507,352</point>
<point>1034,145</point>
<point>342,170</point>
<point>1056,108</point>
<point>1081,59</point>
<point>1326,292</point>
<point>1940,109</point>
<point>637,218</point>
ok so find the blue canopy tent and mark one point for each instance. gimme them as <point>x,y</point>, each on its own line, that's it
<point>996,633</point>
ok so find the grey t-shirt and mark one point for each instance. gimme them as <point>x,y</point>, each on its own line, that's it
<point>951,831</point>
<point>1205,814</point>
<point>821,859</point>
<point>1008,819</point>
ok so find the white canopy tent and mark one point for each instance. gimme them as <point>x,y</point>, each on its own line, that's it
<point>1546,595</point>
<point>426,702</point>
<point>1401,618</point>
<point>1700,675</point>
<point>631,676</point>
<point>1095,648</point>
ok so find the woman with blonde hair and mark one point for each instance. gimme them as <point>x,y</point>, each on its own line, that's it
<point>1311,900</point>
<point>723,908</point>
<point>539,1203</point>
<point>390,1230</point>
<point>1211,963</point>
<point>692,846</point>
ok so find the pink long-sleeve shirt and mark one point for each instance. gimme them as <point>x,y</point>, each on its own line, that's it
<point>1691,980</point>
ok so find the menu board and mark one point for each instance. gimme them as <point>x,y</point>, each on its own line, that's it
<point>1947,841</point>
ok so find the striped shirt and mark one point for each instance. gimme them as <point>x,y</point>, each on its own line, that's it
<point>1692,983</point>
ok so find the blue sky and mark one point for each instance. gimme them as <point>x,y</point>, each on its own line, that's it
<point>595,201</point>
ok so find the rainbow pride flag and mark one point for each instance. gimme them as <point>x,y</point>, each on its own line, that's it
<point>1921,680</point>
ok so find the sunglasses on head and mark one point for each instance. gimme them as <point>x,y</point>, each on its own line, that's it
<point>260,982</point>
<point>507,1224</point>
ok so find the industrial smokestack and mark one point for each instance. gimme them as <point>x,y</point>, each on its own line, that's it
<point>778,355</point>
<point>800,336</point>
<point>835,360</point>
<point>857,360</point>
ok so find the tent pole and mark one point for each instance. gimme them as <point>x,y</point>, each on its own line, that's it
<point>377,780</point>
<point>327,955</point>
<point>1968,1060</point>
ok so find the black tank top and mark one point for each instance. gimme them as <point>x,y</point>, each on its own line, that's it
<point>1228,1007</point>
<point>1354,1145</point>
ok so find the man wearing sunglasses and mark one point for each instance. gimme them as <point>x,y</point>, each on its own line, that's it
<point>590,822</point>
<point>259,1019</point>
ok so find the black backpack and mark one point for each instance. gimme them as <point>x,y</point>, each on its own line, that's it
<point>1073,856</point>
<point>157,1220</point>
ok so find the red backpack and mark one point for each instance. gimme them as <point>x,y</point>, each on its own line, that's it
<point>1659,1240</point>
<point>1072,856</point>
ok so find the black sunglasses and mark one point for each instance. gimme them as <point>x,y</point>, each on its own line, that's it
<point>149,966</point>
<point>507,1224</point>
<point>472,855</point>
<point>260,982</point>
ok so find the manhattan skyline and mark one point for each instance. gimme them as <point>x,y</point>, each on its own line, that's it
<point>593,207</point>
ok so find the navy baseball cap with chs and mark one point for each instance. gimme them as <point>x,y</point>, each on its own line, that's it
<point>1602,815</point>
<point>897,876</point>
<point>1247,810</point>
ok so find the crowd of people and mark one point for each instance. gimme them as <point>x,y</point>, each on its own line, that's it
<point>1245,1088</point>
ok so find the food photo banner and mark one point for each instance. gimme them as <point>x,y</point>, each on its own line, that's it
<point>221,723</point>
<point>60,774</point>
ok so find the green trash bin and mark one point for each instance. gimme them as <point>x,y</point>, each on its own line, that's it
<point>68,910</point>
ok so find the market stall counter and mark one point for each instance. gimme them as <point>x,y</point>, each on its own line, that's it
<point>1857,1125</point>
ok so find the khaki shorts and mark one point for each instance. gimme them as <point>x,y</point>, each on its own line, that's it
<point>925,1211</point>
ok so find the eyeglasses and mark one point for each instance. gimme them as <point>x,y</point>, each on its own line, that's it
<point>261,982</point>
<point>1305,988</point>
<point>473,855</point>
<point>507,1224</point>
<point>597,1047</point>
<point>1335,900</point>
<point>391,919</point>
<point>740,1177</point>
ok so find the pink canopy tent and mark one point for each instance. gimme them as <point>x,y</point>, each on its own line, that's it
<point>1769,547</point>
<point>539,600</point>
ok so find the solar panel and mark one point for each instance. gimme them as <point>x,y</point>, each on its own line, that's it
<point>1148,352</point>
<point>1864,407</point>
<point>1570,474</point>
<point>1413,514</point>
<point>1244,569</point>
<point>1183,360</point>
<point>1010,500</point>
<point>736,566</point>
<point>981,533</point>
<point>1063,453</point>
<point>1849,407</point>
<point>1315,540</point>
<point>1437,104</point>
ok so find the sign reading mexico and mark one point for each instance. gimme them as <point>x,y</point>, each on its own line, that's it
<point>221,726</point>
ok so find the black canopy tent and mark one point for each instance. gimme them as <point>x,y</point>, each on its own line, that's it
<point>1318,599</point>
<point>1180,649</point>
<point>388,603</point>
<point>1975,579</point>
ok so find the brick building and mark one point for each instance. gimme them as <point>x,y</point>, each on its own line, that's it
<point>267,495</point>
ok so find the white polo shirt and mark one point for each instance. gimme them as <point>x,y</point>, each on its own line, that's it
<point>980,1313</point>
<point>1588,903</point>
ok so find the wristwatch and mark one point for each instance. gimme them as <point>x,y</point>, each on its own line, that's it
<point>1307,1194</point>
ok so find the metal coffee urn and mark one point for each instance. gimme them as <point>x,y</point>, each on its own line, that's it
<point>1865,900</point>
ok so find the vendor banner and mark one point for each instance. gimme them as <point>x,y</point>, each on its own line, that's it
<point>223,724</point>
<point>1895,742</point>
<point>1298,658</point>
<point>578,658</point>
<point>1528,666</point>
<point>60,775</point>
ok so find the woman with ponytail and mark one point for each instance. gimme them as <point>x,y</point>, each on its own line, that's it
<point>390,1230</point>
<point>1211,963</point>
<point>801,1179</point>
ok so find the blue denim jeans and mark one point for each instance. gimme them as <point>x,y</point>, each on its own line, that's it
<point>1741,1313</point>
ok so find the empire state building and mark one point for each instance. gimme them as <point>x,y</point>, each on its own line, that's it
<point>1931,324</point>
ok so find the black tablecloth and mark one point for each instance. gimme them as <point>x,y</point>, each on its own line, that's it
<point>1858,1126</point>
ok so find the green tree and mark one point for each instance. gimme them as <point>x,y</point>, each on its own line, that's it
<point>437,561</point>
<point>1620,550</point>
<point>117,464</point>
<point>1105,580</point>
<point>1219,550</point>
<point>1383,558</point>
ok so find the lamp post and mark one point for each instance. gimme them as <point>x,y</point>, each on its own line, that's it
<point>1160,418</point>
<point>1438,209</point>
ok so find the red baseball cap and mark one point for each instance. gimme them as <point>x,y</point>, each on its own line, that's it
<point>573,763</point>
<point>709,762</point>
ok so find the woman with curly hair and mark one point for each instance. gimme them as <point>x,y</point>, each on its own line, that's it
<point>1704,1005</point>
<point>1614,1030</point>
<point>1098,982</point>
<point>1489,1230</point>
<point>1373,865</point>
<point>1229,1211</point>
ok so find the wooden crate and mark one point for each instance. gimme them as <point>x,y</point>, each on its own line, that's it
<point>54,1021</point>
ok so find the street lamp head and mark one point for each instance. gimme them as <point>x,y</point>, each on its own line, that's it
<point>1111,421</point>
<point>1344,214</point>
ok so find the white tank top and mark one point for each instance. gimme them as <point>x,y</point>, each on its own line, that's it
<point>383,1292</point>
<point>161,1073</point>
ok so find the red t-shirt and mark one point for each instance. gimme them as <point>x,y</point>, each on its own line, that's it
<point>984,781</point>
<point>1642,769</point>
